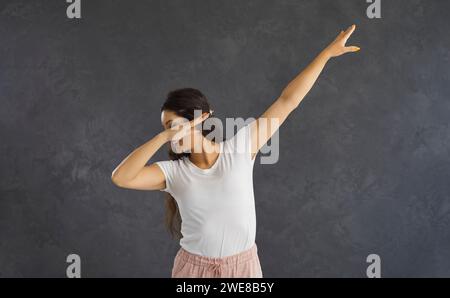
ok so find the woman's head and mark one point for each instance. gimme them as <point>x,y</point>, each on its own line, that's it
<point>183,105</point>
<point>184,101</point>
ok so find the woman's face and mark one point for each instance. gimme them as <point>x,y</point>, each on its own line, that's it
<point>170,119</point>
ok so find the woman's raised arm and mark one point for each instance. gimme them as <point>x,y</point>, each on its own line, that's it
<point>264,127</point>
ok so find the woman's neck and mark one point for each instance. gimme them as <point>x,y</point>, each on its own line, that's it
<point>206,154</point>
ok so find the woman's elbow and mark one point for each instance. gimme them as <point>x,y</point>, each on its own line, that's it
<point>116,180</point>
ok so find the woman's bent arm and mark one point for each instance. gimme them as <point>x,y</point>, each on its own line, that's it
<point>133,173</point>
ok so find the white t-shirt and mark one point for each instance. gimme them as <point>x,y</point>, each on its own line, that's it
<point>216,205</point>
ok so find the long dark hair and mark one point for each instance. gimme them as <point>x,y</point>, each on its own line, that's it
<point>182,102</point>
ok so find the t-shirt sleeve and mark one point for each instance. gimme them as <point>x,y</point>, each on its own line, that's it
<point>241,142</point>
<point>167,167</point>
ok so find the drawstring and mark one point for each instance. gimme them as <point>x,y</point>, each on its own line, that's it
<point>216,269</point>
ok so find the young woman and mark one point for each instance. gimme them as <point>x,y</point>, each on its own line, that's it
<point>210,185</point>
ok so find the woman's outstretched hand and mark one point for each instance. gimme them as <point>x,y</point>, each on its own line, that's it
<point>338,47</point>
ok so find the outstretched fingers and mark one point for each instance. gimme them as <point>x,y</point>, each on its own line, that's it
<point>349,32</point>
<point>352,49</point>
<point>198,120</point>
<point>346,36</point>
<point>184,129</point>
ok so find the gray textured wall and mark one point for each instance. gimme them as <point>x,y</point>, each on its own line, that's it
<point>370,173</point>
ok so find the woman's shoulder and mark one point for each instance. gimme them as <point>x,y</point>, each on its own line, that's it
<point>239,142</point>
<point>172,163</point>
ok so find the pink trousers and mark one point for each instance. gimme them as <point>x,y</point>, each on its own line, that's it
<point>243,264</point>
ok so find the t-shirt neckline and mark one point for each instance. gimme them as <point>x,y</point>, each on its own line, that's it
<point>211,168</point>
